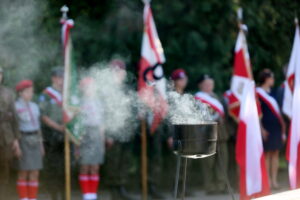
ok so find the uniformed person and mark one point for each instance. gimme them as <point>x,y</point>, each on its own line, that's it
<point>9,135</point>
<point>92,145</point>
<point>231,127</point>
<point>214,167</point>
<point>32,148</point>
<point>119,158</point>
<point>53,130</point>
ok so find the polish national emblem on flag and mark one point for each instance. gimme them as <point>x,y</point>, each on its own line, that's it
<point>152,83</point>
<point>242,74</point>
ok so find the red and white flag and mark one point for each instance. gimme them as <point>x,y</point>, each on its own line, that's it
<point>293,86</point>
<point>289,83</point>
<point>242,74</point>
<point>151,83</point>
<point>249,148</point>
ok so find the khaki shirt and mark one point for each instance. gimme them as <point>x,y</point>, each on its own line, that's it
<point>50,108</point>
<point>8,118</point>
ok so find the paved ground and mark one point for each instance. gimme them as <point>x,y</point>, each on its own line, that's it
<point>200,195</point>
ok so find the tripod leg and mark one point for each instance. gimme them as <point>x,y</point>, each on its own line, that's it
<point>177,176</point>
<point>184,179</point>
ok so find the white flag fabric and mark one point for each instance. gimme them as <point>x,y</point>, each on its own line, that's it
<point>249,148</point>
<point>242,74</point>
<point>289,82</point>
<point>152,83</point>
<point>293,148</point>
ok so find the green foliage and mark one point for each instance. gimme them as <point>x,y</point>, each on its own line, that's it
<point>198,36</point>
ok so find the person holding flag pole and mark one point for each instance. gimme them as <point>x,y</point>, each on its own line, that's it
<point>152,92</point>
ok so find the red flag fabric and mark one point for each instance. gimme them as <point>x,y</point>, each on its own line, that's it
<point>249,148</point>
<point>242,74</point>
<point>151,83</point>
<point>291,107</point>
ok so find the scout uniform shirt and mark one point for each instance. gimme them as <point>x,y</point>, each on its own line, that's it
<point>28,115</point>
<point>51,106</point>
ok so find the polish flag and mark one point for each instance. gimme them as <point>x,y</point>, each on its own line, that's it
<point>249,148</point>
<point>293,147</point>
<point>152,83</point>
<point>242,73</point>
<point>289,83</point>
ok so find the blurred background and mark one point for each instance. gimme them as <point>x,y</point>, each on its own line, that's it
<point>198,36</point>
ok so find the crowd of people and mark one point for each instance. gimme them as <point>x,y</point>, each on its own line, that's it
<point>33,134</point>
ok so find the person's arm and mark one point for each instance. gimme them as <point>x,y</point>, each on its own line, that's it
<point>264,132</point>
<point>15,128</point>
<point>41,142</point>
<point>14,119</point>
<point>52,124</point>
<point>44,103</point>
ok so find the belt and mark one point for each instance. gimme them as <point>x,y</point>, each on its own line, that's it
<point>29,132</point>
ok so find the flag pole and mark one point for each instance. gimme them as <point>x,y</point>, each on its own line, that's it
<point>64,11</point>
<point>144,163</point>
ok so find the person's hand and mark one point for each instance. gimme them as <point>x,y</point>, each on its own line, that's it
<point>283,137</point>
<point>43,149</point>
<point>77,152</point>
<point>61,128</point>
<point>170,142</point>
<point>265,134</point>
<point>16,149</point>
<point>109,143</point>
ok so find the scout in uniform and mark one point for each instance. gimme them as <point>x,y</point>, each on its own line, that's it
<point>214,177</point>
<point>51,114</point>
<point>119,153</point>
<point>32,149</point>
<point>9,135</point>
<point>92,145</point>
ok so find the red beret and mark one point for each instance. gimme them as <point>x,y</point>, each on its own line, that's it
<point>178,74</point>
<point>117,63</point>
<point>23,85</point>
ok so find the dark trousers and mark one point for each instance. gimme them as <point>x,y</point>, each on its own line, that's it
<point>154,148</point>
<point>214,168</point>
<point>54,170</point>
<point>118,163</point>
<point>6,156</point>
